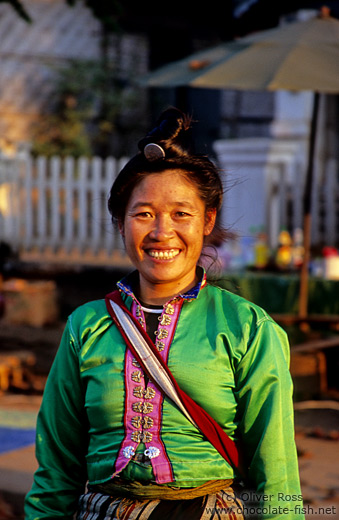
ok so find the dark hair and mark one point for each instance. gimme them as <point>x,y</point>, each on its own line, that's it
<point>171,133</point>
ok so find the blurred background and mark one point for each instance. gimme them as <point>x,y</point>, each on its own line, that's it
<point>72,108</point>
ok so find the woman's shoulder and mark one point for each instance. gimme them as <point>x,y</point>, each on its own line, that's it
<point>244,319</point>
<point>91,314</point>
<point>234,301</point>
<point>88,308</point>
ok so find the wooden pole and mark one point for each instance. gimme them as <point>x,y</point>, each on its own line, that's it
<point>307,202</point>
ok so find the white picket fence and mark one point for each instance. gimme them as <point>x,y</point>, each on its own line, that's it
<point>56,209</point>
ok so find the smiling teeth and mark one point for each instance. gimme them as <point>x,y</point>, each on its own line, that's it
<point>164,255</point>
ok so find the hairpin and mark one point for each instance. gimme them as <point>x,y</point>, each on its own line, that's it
<point>154,152</point>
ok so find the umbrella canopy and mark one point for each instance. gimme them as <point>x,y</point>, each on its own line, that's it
<point>296,56</point>
<point>302,55</point>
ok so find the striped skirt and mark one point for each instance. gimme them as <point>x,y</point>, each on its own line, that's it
<point>222,505</point>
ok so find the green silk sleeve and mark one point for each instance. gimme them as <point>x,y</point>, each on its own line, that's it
<point>61,439</point>
<point>264,394</point>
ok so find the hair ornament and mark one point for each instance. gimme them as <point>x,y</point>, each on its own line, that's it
<point>154,152</point>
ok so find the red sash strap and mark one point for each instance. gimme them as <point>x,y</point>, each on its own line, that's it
<point>206,424</point>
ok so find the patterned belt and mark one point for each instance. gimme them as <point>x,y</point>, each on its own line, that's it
<point>137,491</point>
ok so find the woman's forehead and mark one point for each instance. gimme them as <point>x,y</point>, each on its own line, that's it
<point>169,185</point>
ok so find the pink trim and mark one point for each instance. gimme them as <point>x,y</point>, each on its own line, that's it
<point>161,464</point>
<point>177,308</point>
<point>207,425</point>
<point>122,461</point>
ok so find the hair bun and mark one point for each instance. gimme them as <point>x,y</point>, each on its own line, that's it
<point>171,123</point>
<point>170,133</point>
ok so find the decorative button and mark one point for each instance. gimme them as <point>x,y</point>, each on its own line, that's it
<point>147,422</point>
<point>169,309</point>
<point>137,407</point>
<point>141,436</point>
<point>136,421</point>
<point>160,345</point>
<point>152,452</point>
<point>136,376</point>
<point>141,407</point>
<point>165,319</point>
<point>162,333</point>
<point>138,311</point>
<point>136,363</point>
<point>149,393</point>
<point>140,392</point>
<point>129,452</point>
<point>136,436</point>
<point>147,408</point>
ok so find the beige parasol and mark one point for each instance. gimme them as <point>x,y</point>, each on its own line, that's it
<point>295,56</point>
<point>302,55</point>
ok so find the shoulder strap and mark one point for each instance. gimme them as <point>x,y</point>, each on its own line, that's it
<point>146,353</point>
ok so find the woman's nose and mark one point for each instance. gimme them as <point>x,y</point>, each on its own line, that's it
<point>162,229</point>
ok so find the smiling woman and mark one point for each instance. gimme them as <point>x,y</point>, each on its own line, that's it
<point>154,389</point>
<point>164,237</point>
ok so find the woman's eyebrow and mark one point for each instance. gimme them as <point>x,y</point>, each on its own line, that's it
<point>140,205</point>
<point>181,204</point>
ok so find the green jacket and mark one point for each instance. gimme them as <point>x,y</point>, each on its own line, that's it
<point>226,353</point>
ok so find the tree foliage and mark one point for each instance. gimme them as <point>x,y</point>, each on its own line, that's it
<point>90,102</point>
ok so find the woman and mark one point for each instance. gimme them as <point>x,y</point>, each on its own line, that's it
<point>105,420</point>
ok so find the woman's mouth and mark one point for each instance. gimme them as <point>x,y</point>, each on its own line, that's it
<point>163,254</point>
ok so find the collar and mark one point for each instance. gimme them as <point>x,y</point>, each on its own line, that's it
<point>127,283</point>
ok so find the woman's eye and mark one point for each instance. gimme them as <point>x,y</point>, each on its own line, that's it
<point>144,214</point>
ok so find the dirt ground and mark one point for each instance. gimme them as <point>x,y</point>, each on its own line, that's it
<point>317,439</point>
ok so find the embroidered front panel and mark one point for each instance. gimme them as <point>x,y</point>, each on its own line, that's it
<point>143,401</point>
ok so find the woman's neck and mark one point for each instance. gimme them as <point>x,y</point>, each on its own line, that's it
<point>159,294</point>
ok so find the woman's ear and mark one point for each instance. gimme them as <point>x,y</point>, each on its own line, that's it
<point>210,218</point>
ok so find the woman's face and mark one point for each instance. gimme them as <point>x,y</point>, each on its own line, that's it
<point>164,228</point>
